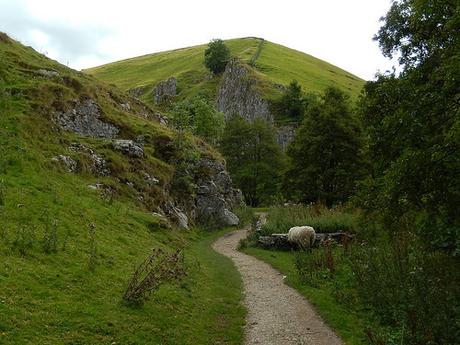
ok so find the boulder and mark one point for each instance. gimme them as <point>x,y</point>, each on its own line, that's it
<point>151,180</point>
<point>285,135</point>
<point>98,164</point>
<point>48,73</point>
<point>70,164</point>
<point>165,89</point>
<point>137,91</point>
<point>84,119</point>
<point>129,147</point>
<point>215,195</point>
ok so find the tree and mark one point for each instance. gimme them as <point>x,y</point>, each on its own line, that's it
<point>325,157</point>
<point>413,123</point>
<point>200,118</point>
<point>254,159</point>
<point>292,102</point>
<point>216,56</point>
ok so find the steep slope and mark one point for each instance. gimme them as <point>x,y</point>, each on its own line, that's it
<point>274,63</point>
<point>90,181</point>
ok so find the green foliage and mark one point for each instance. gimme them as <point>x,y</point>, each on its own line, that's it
<point>254,159</point>
<point>292,103</point>
<point>245,215</point>
<point>413,123</point>
<point>216,56</point>
<point>417,290</point>
<point>322,219</point>
<point>325,157</point>
<point>200,117</point>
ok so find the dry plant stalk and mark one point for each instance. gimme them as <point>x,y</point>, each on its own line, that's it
<point>159,267</point>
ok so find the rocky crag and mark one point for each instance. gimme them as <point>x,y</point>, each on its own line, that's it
<point>239,94</point>
<point>213,196</point>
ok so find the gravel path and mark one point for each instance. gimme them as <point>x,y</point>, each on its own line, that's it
<point>277,314</point>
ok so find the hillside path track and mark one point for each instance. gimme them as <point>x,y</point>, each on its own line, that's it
<point>277,314</point>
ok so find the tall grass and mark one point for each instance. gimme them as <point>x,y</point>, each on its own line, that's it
<point>322,219</point>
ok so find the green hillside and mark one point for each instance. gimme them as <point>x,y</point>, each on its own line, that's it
<point>68,249</point>
<point>273,63</point>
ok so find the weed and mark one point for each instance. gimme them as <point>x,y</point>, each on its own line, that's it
<point>25,238</point>
<point>159,267</point>
<point>50,237</point>
<point>92,256</point>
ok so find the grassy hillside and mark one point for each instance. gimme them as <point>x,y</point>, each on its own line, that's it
<point>62,283</point>
<point>272,62</point>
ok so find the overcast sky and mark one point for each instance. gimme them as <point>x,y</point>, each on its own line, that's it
<point>87,33</point>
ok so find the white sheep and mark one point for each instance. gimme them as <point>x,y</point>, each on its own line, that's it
<point>303,236</point>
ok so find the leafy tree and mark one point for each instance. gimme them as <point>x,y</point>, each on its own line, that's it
<point>216,56</point>
<point>325,157</point>
<point>254,159</point>
<point>292,102</point>
<point>200,118</point>
<point>413,123</point>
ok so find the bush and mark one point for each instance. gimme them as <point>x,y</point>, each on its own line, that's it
<point>411,290</point>
<point>159,267</point>
<point>216,56</point>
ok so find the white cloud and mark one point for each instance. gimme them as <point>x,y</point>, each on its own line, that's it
<point>89,32</point>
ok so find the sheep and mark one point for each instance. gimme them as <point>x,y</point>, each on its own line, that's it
<point>302,236</point>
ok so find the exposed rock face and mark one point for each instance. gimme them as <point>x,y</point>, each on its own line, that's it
<point>129,147</point>
<point>137,91</point>
<point>151,180</point>
<point>70,164</point>
<point>285,135</point>
<point>164,90</point>
<point>98,164</point>
<point>215,195</point>
<point>83,119</point>
<point>48,73</point>
<point>238,94</point>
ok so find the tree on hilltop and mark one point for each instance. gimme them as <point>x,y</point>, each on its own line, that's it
<point>216,56</point>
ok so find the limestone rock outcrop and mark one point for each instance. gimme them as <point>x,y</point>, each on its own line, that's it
<point>238,94</point>
<point>84,119</point>
<point>215,195</point>
<point>164,90</point>
<point>285,135</point>
<point>129,147</point>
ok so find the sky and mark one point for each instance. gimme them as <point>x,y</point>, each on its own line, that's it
<point>87,33</point>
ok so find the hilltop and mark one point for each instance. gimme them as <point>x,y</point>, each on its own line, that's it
<point>270,62</point>
<point>91,180</point>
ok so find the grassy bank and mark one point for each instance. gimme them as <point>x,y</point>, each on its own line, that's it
<point>54,299</point>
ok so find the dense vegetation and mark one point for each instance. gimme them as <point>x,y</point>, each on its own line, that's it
<point>326,157</point>
<point>401,277</point>
<point>254,159</point>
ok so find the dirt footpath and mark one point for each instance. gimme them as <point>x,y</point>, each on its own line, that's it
<point>277,314</point>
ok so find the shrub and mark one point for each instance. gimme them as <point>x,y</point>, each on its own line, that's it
<point>410,289</point>
<point>50,237</point>
<point>159,267</point>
